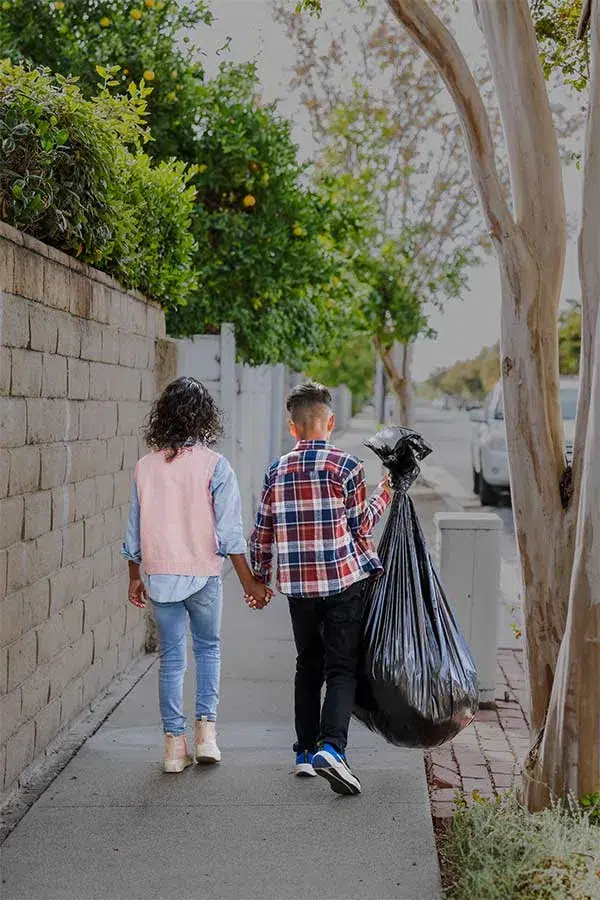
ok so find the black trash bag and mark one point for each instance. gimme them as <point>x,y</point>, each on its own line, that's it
<point>417,683</point>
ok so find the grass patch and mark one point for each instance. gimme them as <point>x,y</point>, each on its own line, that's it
<point>497,850</point>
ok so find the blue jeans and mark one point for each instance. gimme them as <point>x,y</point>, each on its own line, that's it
<point>204,610</point>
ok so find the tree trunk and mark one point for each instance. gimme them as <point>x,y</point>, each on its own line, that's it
<point>557,519</point>
<point>568,756</point>
<point>399,379</point>
<point>534,471</point>
<point>406,401</point>
<point>531,247</point>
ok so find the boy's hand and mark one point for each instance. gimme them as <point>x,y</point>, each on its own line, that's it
<point>257,595</point>
<point>137,593</point>
<point>386,481</point>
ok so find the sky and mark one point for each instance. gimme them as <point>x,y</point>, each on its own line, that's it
<point>466,325</point>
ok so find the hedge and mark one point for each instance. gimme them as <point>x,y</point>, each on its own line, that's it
<point>73,173</point>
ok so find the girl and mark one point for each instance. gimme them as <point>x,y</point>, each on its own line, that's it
<point>184,518</point>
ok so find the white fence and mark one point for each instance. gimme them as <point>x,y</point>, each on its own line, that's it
<point>253,403</point>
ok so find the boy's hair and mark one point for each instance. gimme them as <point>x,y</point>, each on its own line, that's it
<point>304,401</point>
<point>185,412</point>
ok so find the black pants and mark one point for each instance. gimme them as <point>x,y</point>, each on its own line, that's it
<point>327,634</point>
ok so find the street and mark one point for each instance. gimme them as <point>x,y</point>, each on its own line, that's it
<point>449,433</point>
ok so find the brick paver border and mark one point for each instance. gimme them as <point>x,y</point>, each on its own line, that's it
<point>488,756</point>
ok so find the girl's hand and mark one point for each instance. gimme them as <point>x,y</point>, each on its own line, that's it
<point>257,595</point>
<point>137,593</point>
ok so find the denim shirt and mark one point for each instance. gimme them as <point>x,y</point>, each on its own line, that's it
<point>229,530</point>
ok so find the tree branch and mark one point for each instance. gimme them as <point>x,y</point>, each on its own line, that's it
<point>534,158</point>
<point>438,43</point>
<point>584,21</point>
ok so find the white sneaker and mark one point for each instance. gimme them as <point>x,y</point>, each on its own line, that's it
<point>206,742</point>
<point>176,756</point>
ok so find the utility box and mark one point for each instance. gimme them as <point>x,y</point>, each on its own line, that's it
<point>468,551</point>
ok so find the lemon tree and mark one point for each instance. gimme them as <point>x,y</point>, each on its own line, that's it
<point>275,252</point>
<point>149,39</point>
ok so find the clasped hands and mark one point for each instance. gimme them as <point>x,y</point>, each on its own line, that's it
<point>257,595</point>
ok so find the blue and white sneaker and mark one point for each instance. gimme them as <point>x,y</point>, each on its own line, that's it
<point>331,764</point>
<point>304,766</point>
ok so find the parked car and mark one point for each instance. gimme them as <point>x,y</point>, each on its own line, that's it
<point>489,456</point>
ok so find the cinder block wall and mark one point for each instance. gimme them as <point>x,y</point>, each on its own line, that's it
<point>78,368</point>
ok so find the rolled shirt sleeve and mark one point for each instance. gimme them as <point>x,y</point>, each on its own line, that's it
<point>262,537</point>
<point>132,547</point>
<point>227,505</point>
<point>364,513</point>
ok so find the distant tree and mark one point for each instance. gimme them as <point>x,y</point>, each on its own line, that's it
<point>470,379</point>
<point>569,339</point>
<point>379,116</point>
<point>557,23</point>
<point>349,361</point>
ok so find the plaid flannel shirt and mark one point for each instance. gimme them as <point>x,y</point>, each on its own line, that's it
<point>314,509</point>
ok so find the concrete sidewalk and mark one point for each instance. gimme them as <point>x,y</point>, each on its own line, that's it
<point>113,827</point>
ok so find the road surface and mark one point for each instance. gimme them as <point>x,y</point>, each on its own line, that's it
<point>449,433</point>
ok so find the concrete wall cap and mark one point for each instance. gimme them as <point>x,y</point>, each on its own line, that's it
<point>466,521</point>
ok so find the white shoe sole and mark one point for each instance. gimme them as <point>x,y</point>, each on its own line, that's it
<point>172,766</point>
<point>207,756</point>
<point>340,778</point>
<point>305,770</point>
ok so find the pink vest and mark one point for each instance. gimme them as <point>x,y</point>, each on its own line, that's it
<point>177,523</point>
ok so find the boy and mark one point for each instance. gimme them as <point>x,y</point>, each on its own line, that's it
<point>314,509</point>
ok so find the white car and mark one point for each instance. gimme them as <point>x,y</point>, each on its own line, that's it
<point>489,456</point>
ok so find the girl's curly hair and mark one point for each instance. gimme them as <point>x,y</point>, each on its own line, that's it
<point>184,413</point>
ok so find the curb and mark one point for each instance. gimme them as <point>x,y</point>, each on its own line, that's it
<point>39,776</point>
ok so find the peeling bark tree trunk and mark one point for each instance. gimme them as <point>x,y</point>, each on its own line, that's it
<point>535,471</point>
<point>557,517</point>
<point>530,243</point>
<point>568,756</point>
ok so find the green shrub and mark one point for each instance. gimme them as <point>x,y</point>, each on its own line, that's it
<point>143,38</point>
<point>73,174</point>
<point>497,850</point>
<point>591,803</point>
<point>160,200</point>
